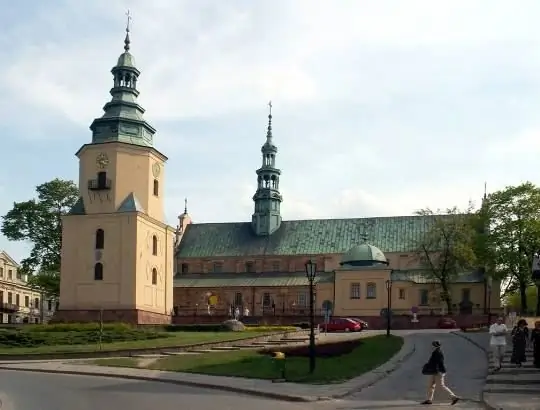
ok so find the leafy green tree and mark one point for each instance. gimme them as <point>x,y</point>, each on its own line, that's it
<point>47,282</point>
<point>38,221</point>
<point>514,235</point>
<point>513,300</point>
<point>447,249</point>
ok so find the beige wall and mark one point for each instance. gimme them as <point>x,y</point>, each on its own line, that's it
<point>127,263</point>
<point>15,291</point>
<point>131,169</point>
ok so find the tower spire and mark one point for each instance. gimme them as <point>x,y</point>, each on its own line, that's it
<point>185,206</point>
<point>127,40</point>
<point>123,119</point>
<point>267,218</point>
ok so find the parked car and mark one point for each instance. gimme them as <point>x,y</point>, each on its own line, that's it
<point>446,323</point>
<point>363,323</point>
<point>343,325</point>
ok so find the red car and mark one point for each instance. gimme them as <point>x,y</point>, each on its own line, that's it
<point>363,323</point>
<point>343,325</point>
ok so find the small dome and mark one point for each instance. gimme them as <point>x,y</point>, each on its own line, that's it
<point>364,255</point>
<point>126,60</point>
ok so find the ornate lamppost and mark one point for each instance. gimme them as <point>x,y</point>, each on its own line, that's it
<point>311,271</point>
<point>388,307</point>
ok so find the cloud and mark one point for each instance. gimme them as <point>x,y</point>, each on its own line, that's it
<point>380,108</point>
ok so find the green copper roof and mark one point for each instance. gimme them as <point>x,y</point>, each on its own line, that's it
<point>78,208</point>
<point>224,280</point>
<point>363,253</point>
<point>130,204</point>
<point>304,237</point>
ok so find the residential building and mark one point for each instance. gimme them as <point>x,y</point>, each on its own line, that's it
<point>19,303</point>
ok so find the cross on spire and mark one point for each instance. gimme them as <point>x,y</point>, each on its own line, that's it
<point>185,206</point>
<point>270,108</point>
<point>129,18</point>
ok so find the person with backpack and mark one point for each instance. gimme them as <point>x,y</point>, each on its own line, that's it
<point>435,369</point>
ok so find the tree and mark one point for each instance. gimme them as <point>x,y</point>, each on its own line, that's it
<point>514,235</point>
<point>47,282</point>
<point>447,248</point>
<point>513,300</point>
<point>38,221</point>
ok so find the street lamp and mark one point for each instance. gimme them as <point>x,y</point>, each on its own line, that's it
<point>489,290</point>
<point>536,279</point>
<point>388,306</point>
<point>311,271</point>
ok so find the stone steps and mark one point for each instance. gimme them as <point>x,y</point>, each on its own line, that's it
<point>528,378</point>
<point>179,353</point>
<point>511,389</point>
<point>225,348</point>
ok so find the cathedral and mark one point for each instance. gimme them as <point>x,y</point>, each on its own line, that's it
<point>122,262</point>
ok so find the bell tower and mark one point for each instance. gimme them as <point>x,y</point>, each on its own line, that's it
<point>267,218</point>
<point>117,251</point>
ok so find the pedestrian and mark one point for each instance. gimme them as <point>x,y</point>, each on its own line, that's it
<point>436,371</point>
<point>498,332</point>
<point>520,335</point>
<point>535,340</point>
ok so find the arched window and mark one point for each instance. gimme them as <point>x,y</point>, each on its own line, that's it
<point>154,245</point>
<point>98,271</point>
<point>371,291</point>
<point>156,187</point>
<point>100,239</point>
<point>154,276</point>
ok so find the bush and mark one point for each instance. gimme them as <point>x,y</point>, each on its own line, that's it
<point>301,325</point>
<point>35,336</point>
<point>322,350</point>
<point>80,327</point>
<point>214,327</point>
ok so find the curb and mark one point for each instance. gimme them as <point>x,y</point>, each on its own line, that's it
<point>385,369</point>
<point>269,395</point>
<point>486,351</point>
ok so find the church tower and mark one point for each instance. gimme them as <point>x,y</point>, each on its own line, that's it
<point>117,251</point>
<point>267,218</point>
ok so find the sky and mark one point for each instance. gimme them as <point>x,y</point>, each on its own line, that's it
<point>379,107</point>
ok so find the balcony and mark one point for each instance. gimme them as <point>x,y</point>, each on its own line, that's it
<point>99,184</point>
<point>8,308</point>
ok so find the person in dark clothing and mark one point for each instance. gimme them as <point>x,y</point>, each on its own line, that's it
<point>535,340</point>
<point>520,335</point>
<point>436,370</point>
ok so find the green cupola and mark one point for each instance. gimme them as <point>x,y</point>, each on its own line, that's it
<point>122,120</point>
<point>267,218</point>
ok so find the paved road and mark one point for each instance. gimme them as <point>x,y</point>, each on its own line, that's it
<point>27,391</point>
<point>406,387</point>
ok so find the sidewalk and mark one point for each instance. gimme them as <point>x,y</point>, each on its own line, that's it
<point>264,388</point>
<point>511,387</point>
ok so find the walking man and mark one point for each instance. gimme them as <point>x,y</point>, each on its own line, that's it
<point>498,333</point>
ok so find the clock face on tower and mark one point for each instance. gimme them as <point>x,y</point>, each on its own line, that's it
<point>102,160</point>
<point>156,169</point>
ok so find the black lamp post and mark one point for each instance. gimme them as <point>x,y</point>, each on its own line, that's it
<point>311,271</point>
<point>388,307</point>
<point>536,279</point>
<point>489,289</point>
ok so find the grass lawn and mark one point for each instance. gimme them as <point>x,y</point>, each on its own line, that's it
<point>371,353</point>
<point>175,339</point>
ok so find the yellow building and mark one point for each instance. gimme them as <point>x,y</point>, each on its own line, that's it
<point>18,302</point>
<point>117,253</point>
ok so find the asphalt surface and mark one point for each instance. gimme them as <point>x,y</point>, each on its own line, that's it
<point>40,391</point>
<point>406,387</point>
